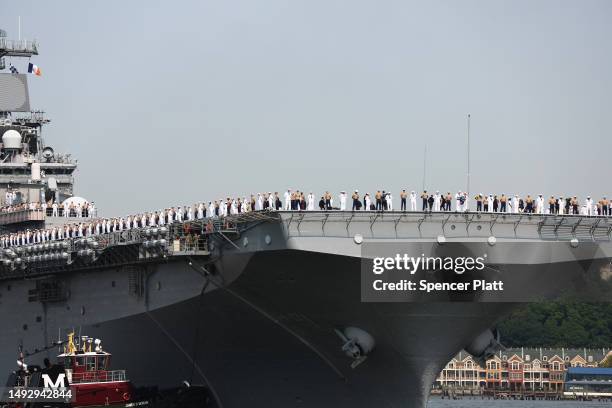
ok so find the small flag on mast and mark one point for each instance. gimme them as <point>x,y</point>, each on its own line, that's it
<point>33,69</point>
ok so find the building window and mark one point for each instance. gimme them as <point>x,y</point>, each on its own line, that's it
<point>527,357</point>
<point>545,358</point>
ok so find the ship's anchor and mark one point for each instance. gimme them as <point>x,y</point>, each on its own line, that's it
<point>485,346</point>
<point>357,345</point>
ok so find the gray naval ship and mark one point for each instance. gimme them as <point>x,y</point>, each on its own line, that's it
<point>272,308</point>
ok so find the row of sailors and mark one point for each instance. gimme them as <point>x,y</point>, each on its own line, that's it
<point>105,226</point>
<point>299,201</point>
<point>14,207</point>
<point>10,198</point>
<point>70,209</point>
<point>219,208</point>
<point>383,200</point>
<point>67,209</point>
<point>538,205</point>
<point>102,226</point>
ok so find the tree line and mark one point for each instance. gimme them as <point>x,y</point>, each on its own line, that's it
<point>563,323</point>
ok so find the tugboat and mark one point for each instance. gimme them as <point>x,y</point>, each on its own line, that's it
<point>85,379</point>
<point>83,372</point>
<point>88,372</point>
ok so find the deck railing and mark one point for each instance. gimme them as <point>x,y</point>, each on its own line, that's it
<point>98,376</point>
<point>25,46</point>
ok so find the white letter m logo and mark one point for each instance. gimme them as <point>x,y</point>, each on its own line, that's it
<point>59,382</point>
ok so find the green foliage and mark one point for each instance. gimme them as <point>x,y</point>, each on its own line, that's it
<point>564,323</point>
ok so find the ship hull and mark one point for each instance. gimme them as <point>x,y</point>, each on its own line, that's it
<point>268,339</point>
<point>258,322</point>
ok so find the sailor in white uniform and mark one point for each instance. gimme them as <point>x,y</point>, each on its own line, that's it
<point>234,207</point>
<point>458,205</point>
<point>190,213</point>
<point>413,201</point>
<point>515,204</point>
<point>54,208</point>
<point>437,201</point>
<point>200,211</point>
<point>490,202</point>
<point>540,204</point>
<point>342,201</point>
<point>271,205</point>
<point>389,200</point>
<point>589,206</point>
<point>260,201</point>
<point>311,202</point>
<point>287,197</point>
<point>66,209</point>
<point>561,204</point>
<point>368,202</point>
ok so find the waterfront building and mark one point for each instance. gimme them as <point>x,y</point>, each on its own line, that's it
<point>585,382</point>
<point>518,369</point>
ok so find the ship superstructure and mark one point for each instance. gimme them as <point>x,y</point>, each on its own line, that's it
<point>267,308</point>
<point>31,173</point>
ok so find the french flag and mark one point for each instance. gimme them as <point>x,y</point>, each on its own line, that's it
<point>33,69</point>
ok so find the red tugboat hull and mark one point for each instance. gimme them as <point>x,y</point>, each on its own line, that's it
<point>101,394</point>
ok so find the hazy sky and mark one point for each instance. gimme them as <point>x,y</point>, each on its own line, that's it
<point>174,102</point>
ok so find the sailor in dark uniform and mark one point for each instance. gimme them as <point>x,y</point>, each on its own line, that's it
<point>424,198</point>
<point>403,196</point>
<point>478,199</point>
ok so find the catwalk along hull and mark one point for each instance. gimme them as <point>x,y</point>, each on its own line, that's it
<point>258,325</point>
